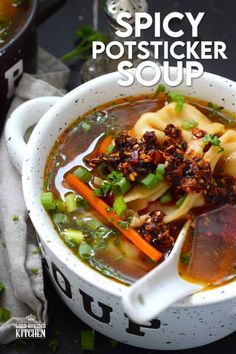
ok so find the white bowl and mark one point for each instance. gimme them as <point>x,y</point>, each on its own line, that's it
<point>196,320</point>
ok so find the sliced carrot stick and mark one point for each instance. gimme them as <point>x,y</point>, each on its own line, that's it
<point>105,143</point>
<point>97,203</point>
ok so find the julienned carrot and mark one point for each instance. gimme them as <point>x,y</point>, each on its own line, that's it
<point>97,203</point>
<point>105,143</point>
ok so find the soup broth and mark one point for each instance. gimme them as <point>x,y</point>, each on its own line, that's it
<point>13,14</point>
<point>130,187</point>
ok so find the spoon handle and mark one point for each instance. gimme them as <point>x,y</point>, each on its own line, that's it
<point>150,296</point>
<point>160,288</point>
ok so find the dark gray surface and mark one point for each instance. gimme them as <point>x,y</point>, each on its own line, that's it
<point>57,36</point>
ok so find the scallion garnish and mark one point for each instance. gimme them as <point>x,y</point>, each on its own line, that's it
<point>2,287</point>
<point>5,314</point>
<point>150,180</point>
<point>34,271</point>
<point>160,172</point>
<point>104,189</point>
<point>120,187</point>
<point>160,88</point>
<point>81,201</point>
<point>86,127</point>
<point>71,204</point>
<point>166,198</point>
<point>119,205</point>
<point>185,258</point>
<point>83,174</point>
<point>75,236</point>
<point>87,340</point>
<point>189,124</point>
<point>181,200</point>
<point>60,218</point>
<point>85,250</point>
<point>178,98</point>
<point>213,140</point>
<point>109,149</point>
<point>215,109</point>
<point>48,200</point>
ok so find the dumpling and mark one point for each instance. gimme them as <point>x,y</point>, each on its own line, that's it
<point>159,120</point>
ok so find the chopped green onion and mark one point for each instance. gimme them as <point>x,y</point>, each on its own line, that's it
<point>88,223</point>
<point>215,109</point>
<point>2,287</point>
<point>37,250</point>
<point>85,250</point>
<point>150,180</point>
<point>48,200</point>
<point>61,206</point>
<point>121,186</point>
<point>60,218</point>
<point>166,198</point>
<point>181,200</point>
<point>75,236</point>
<point>71,204</point>
<point>81,201</point>
<point>103,190</point>
<point>52,345</point>
<point>34,271</point>
<point>115,176</point>
<point>5,314</point>
<point>86,127</point>
<point>102,231</point>
<point>178,98</point>
<point>109,149</point>
<point>160,88</point>
<point>87,340</point>
<point>185,258</point>
<point>189,124</point>
<point>15,217</point>
<point>160,172</point>
<point>119,206</point>
<point>213,140</point>
<point>83,174</point>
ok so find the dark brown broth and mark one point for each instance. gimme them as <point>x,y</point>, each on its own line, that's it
<point>12,18</point>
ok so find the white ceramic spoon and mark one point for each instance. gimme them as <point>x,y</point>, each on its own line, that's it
<point>160,288</point>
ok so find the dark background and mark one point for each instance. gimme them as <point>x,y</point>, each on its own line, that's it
<point>57,36</point>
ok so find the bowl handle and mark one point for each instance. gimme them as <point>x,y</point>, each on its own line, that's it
<point>17,128</point>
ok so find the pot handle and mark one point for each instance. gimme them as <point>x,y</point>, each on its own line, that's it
<point>46,8</point>
<point>17,128</point>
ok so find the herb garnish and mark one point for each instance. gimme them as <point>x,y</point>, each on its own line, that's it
<point>52,345</point>
<point>85,35</point>
<point>104,189</point>
<point>185,258</point>
<point>36,250</point>
<point>2,287</point>
<point>189,124</point>
<point>215,109</point>
<point>34,271</point>
<point>161,88</point>
<point>5,314</point>
<point>15,217</point>
<point>178,98</point>
<point>213,140</point>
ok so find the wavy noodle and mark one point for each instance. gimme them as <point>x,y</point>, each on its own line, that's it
<point>228,142</point>
<point>193,200</point>
<point>158,121</point>
<point>141,192</point>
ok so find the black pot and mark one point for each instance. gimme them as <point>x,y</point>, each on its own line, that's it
<point>20,54</point>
